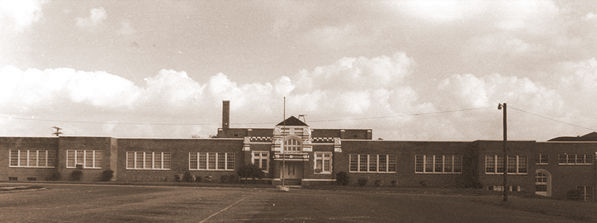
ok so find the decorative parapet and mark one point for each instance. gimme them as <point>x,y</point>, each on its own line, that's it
<point>322,139</point>
<point>260,139</point>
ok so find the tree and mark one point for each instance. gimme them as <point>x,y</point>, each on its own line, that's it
<point>250,171</point>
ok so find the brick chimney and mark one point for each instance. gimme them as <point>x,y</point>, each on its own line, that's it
<point>225,114</point>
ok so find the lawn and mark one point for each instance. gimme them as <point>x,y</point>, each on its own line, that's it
<point>135,203</point>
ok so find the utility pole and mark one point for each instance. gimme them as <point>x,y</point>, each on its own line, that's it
<point>282,144</point>
<point>58,132</point>
<point>504,109</point>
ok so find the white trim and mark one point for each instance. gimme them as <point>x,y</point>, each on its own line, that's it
<point>322,180</point>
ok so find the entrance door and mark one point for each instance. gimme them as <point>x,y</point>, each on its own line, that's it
<point>293,170</point>
<point>543,183</point>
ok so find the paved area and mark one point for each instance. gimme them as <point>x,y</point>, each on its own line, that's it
<point>118,203</point>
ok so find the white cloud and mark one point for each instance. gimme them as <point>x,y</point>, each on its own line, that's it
<point>18,15</point>
<point>439,11</point>
<point>96,17</point>
<point>351,89</point>
<point>126,28</point>
<point>590,16</point>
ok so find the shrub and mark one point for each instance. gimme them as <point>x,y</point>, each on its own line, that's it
<point>208,179</point>
<point>187,177</point>
<point>233,178</point>
<point>177,177</point>
<point>107,175</point>
<point>224,179</point>
<point>342,178</point>
<point>394,183</point>
<point>197,178</point>
<point>250,171</point>
<point>378,183</point>
<point>423,183</point>
<point>362,181</point>
<point>574,195</point>
<point>54,176</point>
<point>76,175</point>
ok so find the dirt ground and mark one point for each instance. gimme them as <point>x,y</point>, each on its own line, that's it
<point>136,203</point>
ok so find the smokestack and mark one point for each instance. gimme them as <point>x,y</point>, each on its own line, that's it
<point>225,114</point>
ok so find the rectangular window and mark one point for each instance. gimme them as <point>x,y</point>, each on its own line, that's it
<point>586,193</point>
<point>494,164</point>
<point>575,159</point>
<point>261,160</point>
<point>440,164</point>
<point>31,158</point>
<point>363,158</point>
<point>147,160</point>
<point>542,159</point>
<point>354,162</point>
<point>372,163</point>
<point>211,161</point>
<point>323,162</point>
<point>88,159</point>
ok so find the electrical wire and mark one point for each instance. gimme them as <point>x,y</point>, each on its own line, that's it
<point>551,119</point>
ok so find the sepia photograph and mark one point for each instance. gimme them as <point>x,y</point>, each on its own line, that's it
<point>298,111</point>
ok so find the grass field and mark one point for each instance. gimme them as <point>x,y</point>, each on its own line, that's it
<point>133,203</point>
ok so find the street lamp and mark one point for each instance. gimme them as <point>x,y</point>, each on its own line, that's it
<point>505,112</point>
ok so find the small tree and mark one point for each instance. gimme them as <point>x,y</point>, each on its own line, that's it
<point>342,178</point>
<point>250,171</point>
<point>107,175</point>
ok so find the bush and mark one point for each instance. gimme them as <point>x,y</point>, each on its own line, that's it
<point>362,181</point>
<point>107,175</point>
<point>342,178</point>
<point>208,179</point>
<point>224,179</point>
<point>76,175</point>
<point>187,177</point>
<point>197,178</point>
<point>377,183</point>
<point>177,177</point>
<point>54,176</point>
<point>233,178</point>
<point>250,171</point>
<point>394,183</point>
<point>574,195</point>
<point>423,183</point>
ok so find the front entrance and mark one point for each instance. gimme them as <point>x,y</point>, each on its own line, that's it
<point>293,170</point>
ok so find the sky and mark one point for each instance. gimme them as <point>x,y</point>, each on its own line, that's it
<point>409,70</point>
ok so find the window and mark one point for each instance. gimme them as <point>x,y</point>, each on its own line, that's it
<point>211,161</point>
<point>575,159</point>
<point>148,160</point>
<point>323,162</point>
<point>84,158</point>
<point>32,158</point>
<point>372,163</point>
<point>494,164</point>
<point>438,164</point>
<point>292,145</point>
<point>542,159</point>
<point>261,159</point>
<point>586,193</point>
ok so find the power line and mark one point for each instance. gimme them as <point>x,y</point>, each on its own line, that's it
<point>246,123</point>
<point>553,119</point>
<point>107,122</point>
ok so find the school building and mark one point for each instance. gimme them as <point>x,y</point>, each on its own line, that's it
<point>563,167</point>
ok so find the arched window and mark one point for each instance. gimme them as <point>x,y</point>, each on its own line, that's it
<point>292,145</point>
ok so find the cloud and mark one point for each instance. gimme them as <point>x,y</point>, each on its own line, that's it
<point>509,15</point>
<point>340,37</point>
<point>126,29</point>
<point>353,92</point>
<point>96,17</point>
<point>18,15</point>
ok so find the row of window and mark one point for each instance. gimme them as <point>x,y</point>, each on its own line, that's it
<point>32,158</point>
<point>566,159</point>
<point>438,164</point>
<point>148,160</point>
<point>211,161</point>
<point>372,163</point>
<point>494,164</point>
